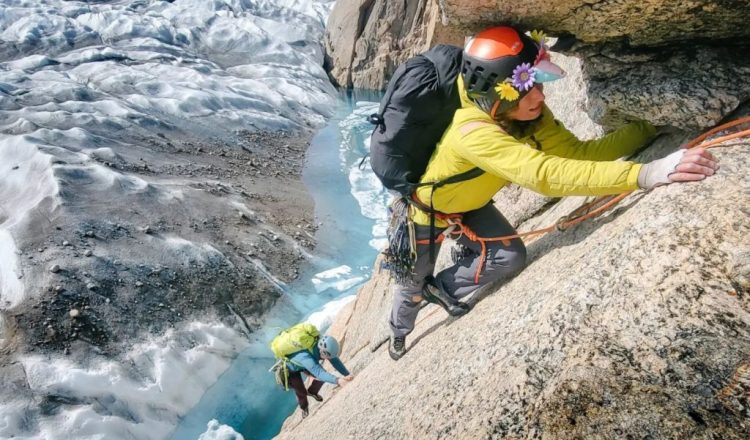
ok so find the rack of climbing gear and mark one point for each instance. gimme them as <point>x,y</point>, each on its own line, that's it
<point>401,254</point>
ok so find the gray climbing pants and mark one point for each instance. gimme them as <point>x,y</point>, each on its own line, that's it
<point>502,262</point>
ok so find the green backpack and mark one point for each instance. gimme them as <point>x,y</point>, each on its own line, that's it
<point>299,337</point>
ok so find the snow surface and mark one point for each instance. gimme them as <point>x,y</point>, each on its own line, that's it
<point>140,396</point>
<point>74,70</point>
<point>82,83</point>
<point>217,431</point>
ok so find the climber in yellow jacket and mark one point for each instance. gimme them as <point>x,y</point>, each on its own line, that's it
<point>504,128</point>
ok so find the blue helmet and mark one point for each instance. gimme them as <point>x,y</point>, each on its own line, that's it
<point>329,347</point>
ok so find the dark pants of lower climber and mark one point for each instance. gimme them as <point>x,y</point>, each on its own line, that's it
<point>297,382</point>
<point>501,262</point>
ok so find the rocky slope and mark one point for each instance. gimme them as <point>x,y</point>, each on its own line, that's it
<point>683,64</point>
<point>633,325</point>
<point>151,203</point>
<point>100,281</point>
<point>212,242</point>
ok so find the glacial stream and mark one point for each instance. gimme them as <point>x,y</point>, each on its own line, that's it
<point>350,209</point>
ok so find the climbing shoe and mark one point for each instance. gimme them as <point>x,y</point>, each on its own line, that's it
<point>397,347</point>
<point>305,412</point>
<point>432,293</point>
<point>317,397</point>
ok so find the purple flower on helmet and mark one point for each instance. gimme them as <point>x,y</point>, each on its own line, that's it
<point>523,77</point>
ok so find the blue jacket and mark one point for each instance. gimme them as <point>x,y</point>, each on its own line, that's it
<point>304,360</point>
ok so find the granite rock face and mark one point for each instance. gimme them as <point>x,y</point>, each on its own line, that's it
<point>686,87</point>
<point>683,64</point>
<point>645,23</point>
<point>367,39</point>
<point>632,325</point>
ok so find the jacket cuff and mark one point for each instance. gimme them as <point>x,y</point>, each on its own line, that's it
<point>632,179</point>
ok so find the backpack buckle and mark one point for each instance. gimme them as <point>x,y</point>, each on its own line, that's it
<point>375,119</point>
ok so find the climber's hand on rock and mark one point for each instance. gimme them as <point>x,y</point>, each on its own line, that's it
<point>696,164</point>
<point>680,166</point>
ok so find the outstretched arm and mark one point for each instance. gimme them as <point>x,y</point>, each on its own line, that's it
<point>494,151</point>
<point>555,139</point>
<point>339,366</point>
<point>305,360</point>
<point>500,154</point>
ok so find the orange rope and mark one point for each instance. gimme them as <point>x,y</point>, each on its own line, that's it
<point>715,130</point>
<point>573,219</point>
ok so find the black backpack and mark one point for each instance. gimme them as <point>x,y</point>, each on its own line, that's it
<point>418,106</point>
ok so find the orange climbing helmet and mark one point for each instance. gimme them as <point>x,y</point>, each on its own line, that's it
<point>503,64</point>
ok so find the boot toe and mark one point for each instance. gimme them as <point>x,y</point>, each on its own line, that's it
<point>458,309</point>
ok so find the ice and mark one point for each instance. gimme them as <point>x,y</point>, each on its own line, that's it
<point>246,397</point>
<point>217,431</point>
<point>142,397</point>
<point>77,75</point>
<point>322,319</point>
<point>27,179</point>
<point>184,251</point>
<point>339,278</point>
<point>10,284</point>
<point>370,194</point>
<point>83,84</point>
<point>158,56</point>
<point>268,275</point>
<point>373,200</point>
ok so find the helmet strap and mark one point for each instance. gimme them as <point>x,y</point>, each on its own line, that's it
<point>495,106</point>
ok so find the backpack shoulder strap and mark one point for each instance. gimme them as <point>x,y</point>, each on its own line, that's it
<point>466,175</point>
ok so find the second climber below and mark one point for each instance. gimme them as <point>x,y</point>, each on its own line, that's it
<point>504,128</point>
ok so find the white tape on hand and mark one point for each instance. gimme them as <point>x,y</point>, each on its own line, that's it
<point>657,172</point>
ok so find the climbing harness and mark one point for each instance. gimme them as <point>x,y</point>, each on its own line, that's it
<point>589,210</point>
<point>401,254</point>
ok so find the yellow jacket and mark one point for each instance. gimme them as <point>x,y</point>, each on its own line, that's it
<point>562,166</point>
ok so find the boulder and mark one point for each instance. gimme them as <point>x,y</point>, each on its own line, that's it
<point>366,39</point>
<point>644,23</point>
<point>688,86</point>
<point>683,64</point>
